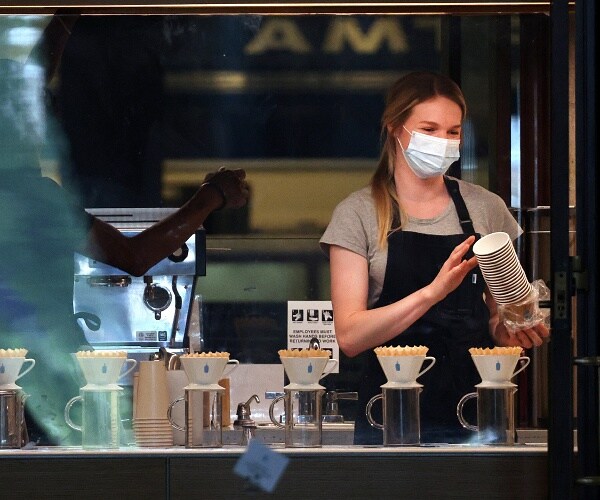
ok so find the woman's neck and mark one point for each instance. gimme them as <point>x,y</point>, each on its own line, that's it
<point>421,198</point>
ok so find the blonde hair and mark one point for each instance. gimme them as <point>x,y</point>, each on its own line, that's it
<point>402,97</point>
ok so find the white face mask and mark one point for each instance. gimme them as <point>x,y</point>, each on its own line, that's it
<point>430,156</point>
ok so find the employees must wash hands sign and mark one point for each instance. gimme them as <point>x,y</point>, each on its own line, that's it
<point>309,319</point>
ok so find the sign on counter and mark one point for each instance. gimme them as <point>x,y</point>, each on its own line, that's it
<point>309,319</point>
<point>261,466</point>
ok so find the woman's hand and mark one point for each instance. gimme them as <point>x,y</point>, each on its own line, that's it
<point>453,272</point>
<point>526,338</point>
<point>358,329</point>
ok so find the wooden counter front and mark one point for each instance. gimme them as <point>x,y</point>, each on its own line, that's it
<point>330,472</point>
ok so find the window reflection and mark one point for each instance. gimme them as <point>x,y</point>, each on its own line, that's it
<point>299,94</point>
<point>144,106</point>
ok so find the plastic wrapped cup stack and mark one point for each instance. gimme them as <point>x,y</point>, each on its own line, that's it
<point>501,268</point>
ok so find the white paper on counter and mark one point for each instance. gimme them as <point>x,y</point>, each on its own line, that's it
<point>261,466</point>
<point>312,318</point>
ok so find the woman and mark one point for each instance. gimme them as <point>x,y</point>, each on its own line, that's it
<point>401,268</point>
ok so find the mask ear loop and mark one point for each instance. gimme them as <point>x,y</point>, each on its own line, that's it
<point>399,142</point>
<point>401,147</point>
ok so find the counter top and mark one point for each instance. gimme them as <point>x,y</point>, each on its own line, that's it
<point>233,451</point>
<point>440,472</point>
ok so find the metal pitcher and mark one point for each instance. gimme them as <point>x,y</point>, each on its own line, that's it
<point>13,431</point>
<point>302,417</point>
<point>401,416</point>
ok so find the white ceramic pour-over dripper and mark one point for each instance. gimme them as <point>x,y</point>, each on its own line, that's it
<point>403,371</point>
<point>305,373</point>
<point>104,371</point>
<point>205,372</point>
<point>498,370</point>
<point>10,370</point>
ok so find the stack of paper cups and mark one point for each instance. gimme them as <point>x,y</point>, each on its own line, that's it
<point>501,268</point>
<point>151,401</point>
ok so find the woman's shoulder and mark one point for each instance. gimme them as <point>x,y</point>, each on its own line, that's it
<point>477,195</point>
<point>352,222</point>
<point>359,201</point>
<point>471,190</point>
<point>488,210</point>
<point>362,195</point>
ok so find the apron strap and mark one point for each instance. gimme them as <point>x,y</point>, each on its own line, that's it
<point>461,209</point>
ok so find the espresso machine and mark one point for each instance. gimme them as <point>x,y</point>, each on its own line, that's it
<point>139,315</point>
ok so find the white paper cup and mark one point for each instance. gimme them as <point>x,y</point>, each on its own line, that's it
<point>491,244</point>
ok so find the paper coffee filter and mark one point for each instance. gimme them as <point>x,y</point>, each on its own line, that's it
<point>13,353</point>
<point>101,354</point>
<point>209,354</point>
<point>496,351</point>
<point>304,353</point>
<point>416,350</point>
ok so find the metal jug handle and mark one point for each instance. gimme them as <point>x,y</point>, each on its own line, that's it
<point>272,408</point>
<point>170,416</point>
<point>368,411</point>
<point>24,432</point>
<point>459,411</point>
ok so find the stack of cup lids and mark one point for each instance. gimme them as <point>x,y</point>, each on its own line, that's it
<point>501,268</point>
<point>151,401</point>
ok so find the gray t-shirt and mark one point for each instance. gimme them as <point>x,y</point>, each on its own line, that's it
<point>353,226</point>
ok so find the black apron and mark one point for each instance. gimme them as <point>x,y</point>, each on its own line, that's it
<point>448,329</point>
